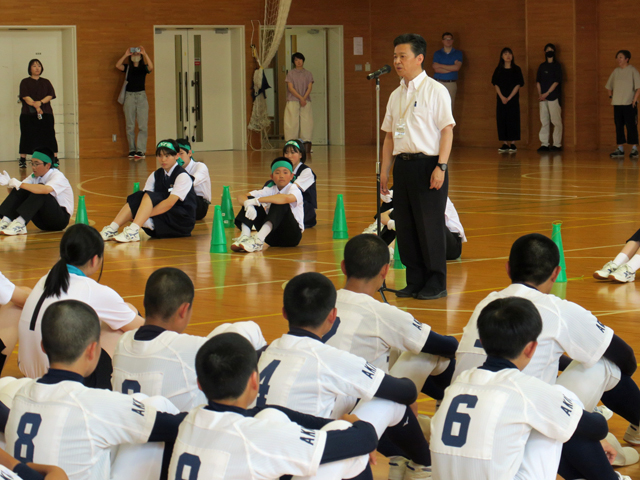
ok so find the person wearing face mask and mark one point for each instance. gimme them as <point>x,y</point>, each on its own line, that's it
<point>548,82</point>
<point>624,86</point>
<point>136,106</point>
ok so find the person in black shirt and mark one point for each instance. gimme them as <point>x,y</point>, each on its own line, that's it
<point>507,79</point>
<point>135,101</point>
<point>548,81</point>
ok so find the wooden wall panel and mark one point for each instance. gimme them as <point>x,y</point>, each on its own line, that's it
<point>587,88</point>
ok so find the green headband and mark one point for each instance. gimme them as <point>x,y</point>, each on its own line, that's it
<point>184,147</point>
<point>167,145</point>
<point>282,163</point>
<point>42,156</point>
<point>294,143</point>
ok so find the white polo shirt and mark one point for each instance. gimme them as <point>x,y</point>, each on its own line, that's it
<point>304,179</point>
<point>202,182</point>
<point>62,191</point>
<point>452,220</point>
<point>181,186</point>
<point>6,290</point>
<point>297,207</point>
<point>428,114</point>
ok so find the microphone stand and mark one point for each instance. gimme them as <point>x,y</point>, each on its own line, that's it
<point>383,288</point>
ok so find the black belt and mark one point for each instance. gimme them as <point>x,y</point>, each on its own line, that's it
<point>445,81</point>
<point>415,156</point>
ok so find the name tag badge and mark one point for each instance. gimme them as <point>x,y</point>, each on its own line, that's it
<point>401,128</point>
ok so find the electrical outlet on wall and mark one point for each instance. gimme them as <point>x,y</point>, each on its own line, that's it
<point>113,137</point>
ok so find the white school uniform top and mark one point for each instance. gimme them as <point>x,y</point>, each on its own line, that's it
<point>304,179</point>
<point>109,306</point>
<point>230,446</point>
<point>452,220</point>
<point>6,289</point>
<point>485,419</point>
<point>6,474</point>
<point>165,365</point>
<point>74,427</point>
<point>305,375</point>
<point>297,207</point>
<point>566,327</point>
<point>62,191</point>
<point>202,182</point>
<point>370,329</point>
<point>428,114</point>
<point>181,186</point>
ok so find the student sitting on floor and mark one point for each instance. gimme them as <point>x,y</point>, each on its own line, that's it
<point>44,197</point>
<point>305,179</point>
<point>167,206</point>
<point>201,179</point>
<point>276,211</point>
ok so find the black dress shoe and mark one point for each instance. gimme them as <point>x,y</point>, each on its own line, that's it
<point>407,292</point>
<point>430,294</point>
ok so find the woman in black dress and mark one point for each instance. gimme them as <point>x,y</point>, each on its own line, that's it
<point>507,79</point>
<point>36,119</point>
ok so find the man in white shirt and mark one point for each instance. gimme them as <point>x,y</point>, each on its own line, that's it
<point>45,197</point>
<point>158,358</point>
<point>201,180</point>
<point>419,134</point>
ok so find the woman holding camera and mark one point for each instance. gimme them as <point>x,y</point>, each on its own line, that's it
<point>136,106</point>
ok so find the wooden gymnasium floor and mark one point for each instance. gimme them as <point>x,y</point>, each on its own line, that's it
<point>499,198</point>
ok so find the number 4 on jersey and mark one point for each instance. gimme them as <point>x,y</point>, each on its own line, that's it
<point>265,377</point>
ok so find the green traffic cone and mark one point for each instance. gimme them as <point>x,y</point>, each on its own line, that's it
<point>397,263</point>
<point>556,236</point>
<point>340,231</point>
<point>136,187</point>
<point>218,239</point>
<point>81,213</point>
<point>227,208</point>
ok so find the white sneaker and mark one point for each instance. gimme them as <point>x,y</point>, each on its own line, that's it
<point>604,411</point>
<point>15,228</point>
<point>397,467</point>
<point>604,272</point>
<point>235,246</point>
<point>3,225</point>
<point>392,253</point>
<point>623,477</point>
<point>107,233</point>
<point>253,244</point>
<point>372,229</point>
<point>417,472</point>
<point>625,455</point>
<point>624,274</point>
<point>128,235</point>
<point>632,435</point>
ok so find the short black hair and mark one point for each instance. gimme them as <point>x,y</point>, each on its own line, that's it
<point>447,33</point>
<point>416,42</point>
<point>364,256</point>
<point>184,142</point>
<point>626,53</point>
<point>167,288</point>
<point>532,259</point>
<point>550,45</point>
<point>31,62</point>
<point>68,328</point>
<point>507,325</point>
<point>308,299</point>
<point>297,55</point>
<point>224,365</point>
<point>283,159</point>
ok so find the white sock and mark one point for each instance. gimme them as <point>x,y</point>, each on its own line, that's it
<point>134,227</point>
<point>265,230</point>
<point>20,220</point>
<point>246,230</point>
<point>114,226</point>
<point>621,148</point>
<point>6,219</point>
<point>634,263</point>
<point>635,147</point>
<point>620,259</point>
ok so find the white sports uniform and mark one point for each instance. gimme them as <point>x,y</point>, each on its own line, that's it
<point>370,329</point>
<point>74,427</point>
<point>486,419</point>
<point>165,365</point>
<point>6,290</point>
<point>452,220</point>
<point>202,181</point>
<point>297,207</point>
<point>109,306</point>
<point>6,474</point>
<point>62,191</point>
<point>566,327</point>
<point>304,374</point>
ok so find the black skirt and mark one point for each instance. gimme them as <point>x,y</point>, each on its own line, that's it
<point>35,133</point>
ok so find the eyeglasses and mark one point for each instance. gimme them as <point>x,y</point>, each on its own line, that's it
<point>36,164</point>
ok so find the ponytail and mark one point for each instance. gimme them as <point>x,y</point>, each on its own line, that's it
<point>79,244</point>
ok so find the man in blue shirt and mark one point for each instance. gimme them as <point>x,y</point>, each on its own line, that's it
<point>446,63</point>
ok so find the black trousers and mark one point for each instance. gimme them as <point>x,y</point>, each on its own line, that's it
<point>626,116</point>
<point>35,133</point>
<point>508,119</point>
<point>202,208</point>
<point>285,231</point>
<point>419,215</point>
<point>169,224</point>
<point>43,210</point>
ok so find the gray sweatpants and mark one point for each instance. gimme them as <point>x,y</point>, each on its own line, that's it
<point>136,107</point>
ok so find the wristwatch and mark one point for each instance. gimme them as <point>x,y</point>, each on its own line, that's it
<point>443,166</point>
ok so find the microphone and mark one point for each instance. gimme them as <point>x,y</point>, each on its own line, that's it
<point>377,73</point>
